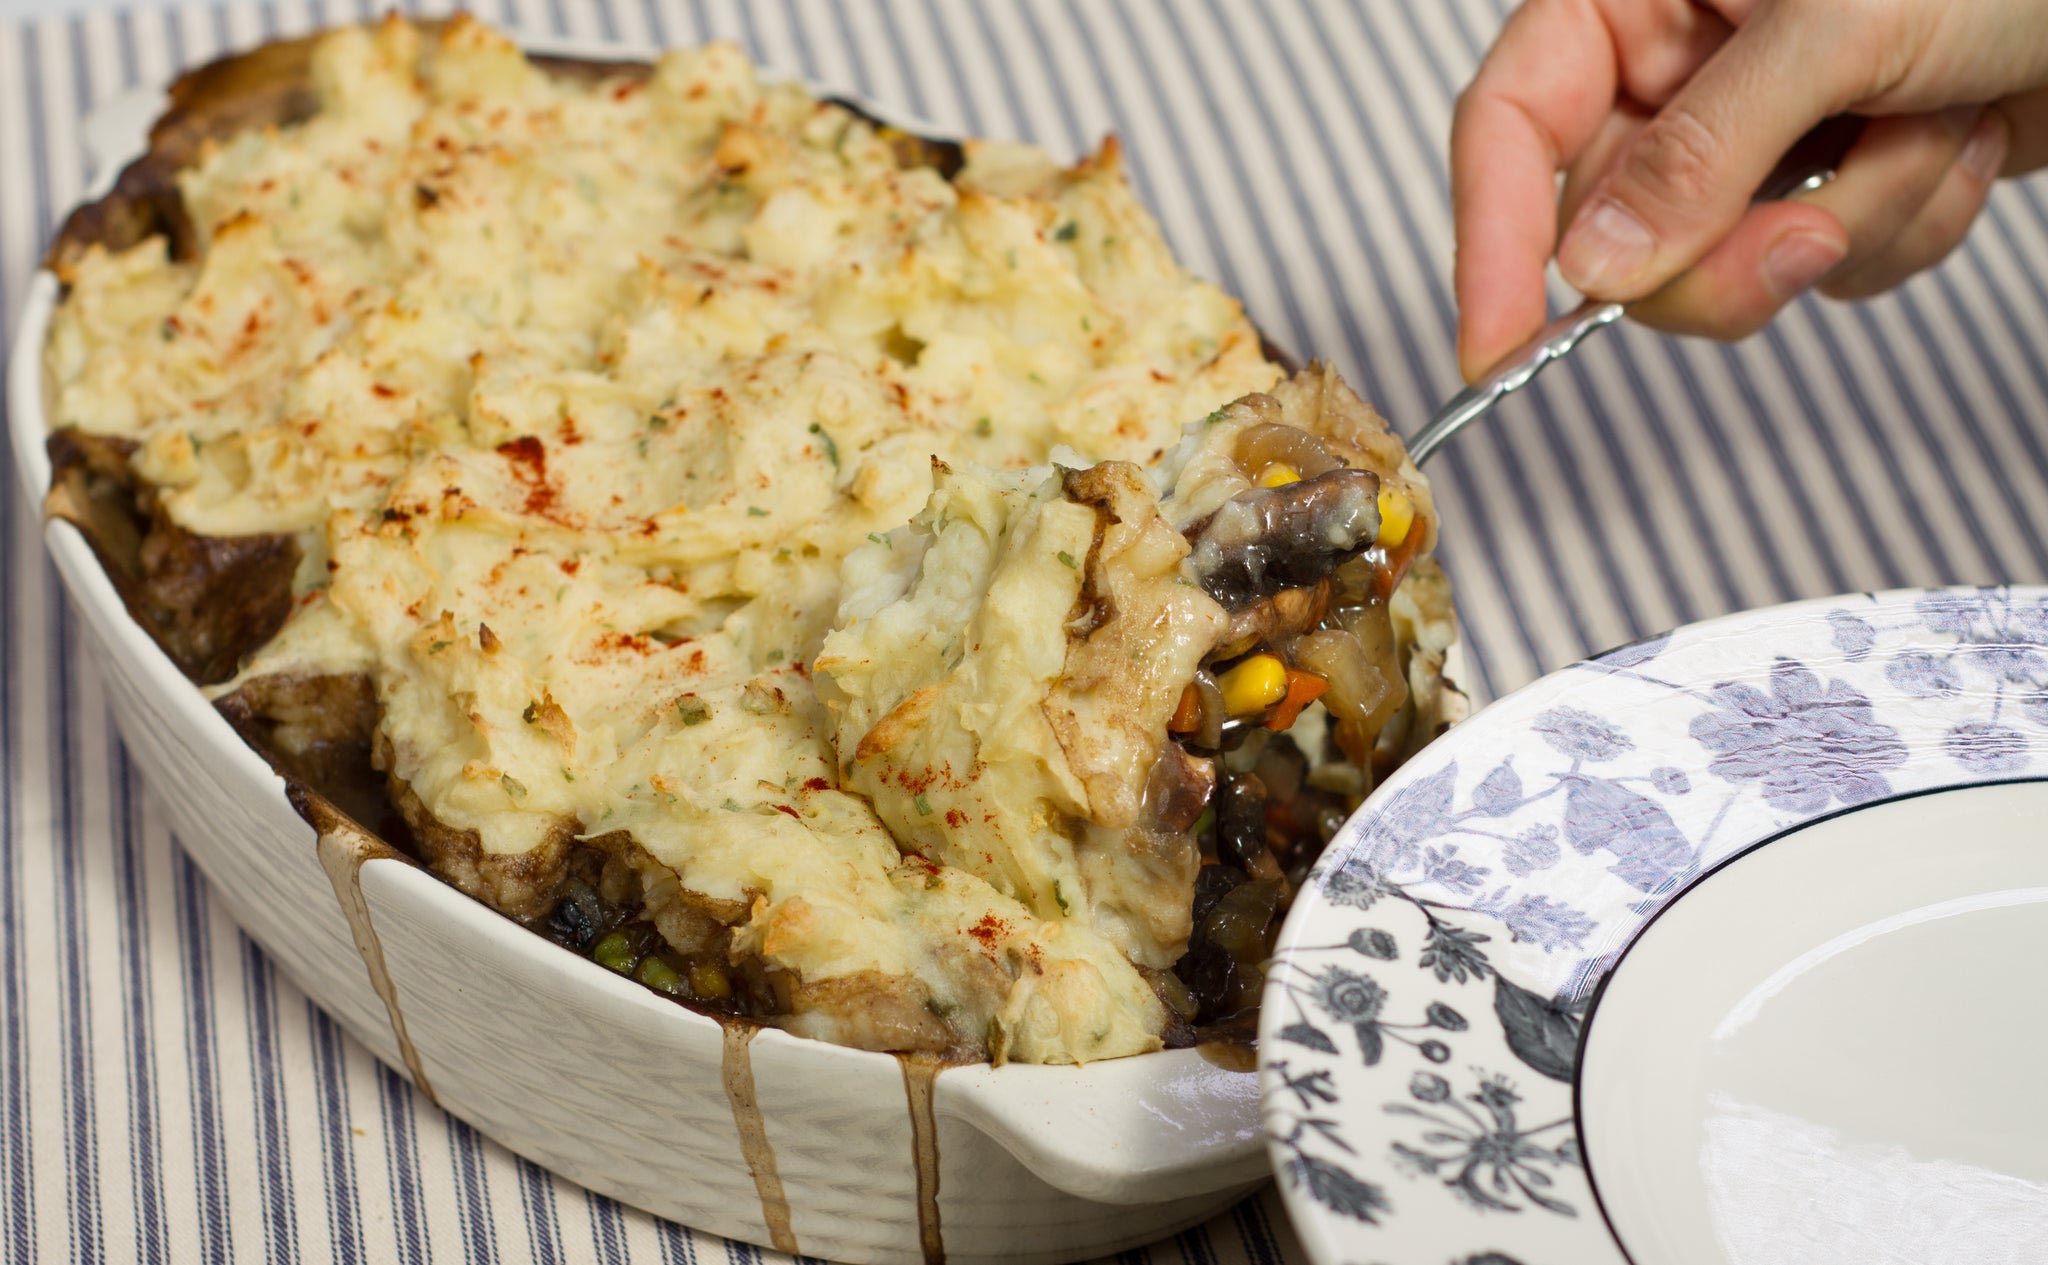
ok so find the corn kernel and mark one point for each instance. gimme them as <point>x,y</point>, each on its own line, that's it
<point>1254,685</point>
<point>709,982</point>
<point>1278,474</point>
<point>1397,515</point>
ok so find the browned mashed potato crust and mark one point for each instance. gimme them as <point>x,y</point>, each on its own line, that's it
<point>523,448</point>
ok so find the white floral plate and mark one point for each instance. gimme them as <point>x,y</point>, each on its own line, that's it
<point>1494,1034</point>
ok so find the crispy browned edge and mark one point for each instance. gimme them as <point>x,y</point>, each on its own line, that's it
<point>270,86</point>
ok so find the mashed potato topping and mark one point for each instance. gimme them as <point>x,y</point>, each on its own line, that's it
<point>576,396</point>
<point>1002,684</point>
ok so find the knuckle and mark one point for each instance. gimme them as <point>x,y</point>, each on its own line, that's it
<point>1675,162</point>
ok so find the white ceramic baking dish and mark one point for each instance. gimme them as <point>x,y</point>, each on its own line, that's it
<point>601,1080</point>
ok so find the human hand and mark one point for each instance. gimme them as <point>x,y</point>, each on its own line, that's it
<point>1665,115</point>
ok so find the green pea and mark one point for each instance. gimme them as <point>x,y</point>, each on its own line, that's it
<point>615,952</point>
<point>658,974</point>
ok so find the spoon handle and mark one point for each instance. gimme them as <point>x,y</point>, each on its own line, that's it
<point>1809,164</point>
<point>1512,374</point>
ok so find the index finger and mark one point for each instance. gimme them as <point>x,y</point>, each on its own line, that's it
<point>1538,100</point>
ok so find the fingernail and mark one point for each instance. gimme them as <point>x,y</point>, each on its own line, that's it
<point>1797,261</point>
<point>1605,248</point>
<point>1985,153</point>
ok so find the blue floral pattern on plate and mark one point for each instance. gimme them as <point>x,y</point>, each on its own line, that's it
<point>1423,1012</point>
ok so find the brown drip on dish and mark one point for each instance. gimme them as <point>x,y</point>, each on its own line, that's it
<point>344,848</point>
<point>737,1070</point>
<point>920,1075</point>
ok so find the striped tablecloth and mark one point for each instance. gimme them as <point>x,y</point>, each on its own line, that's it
<point>166,1096</point>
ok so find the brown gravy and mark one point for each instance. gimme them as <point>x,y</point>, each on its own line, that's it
<point>1231,1054</point>
<point>343,849</point>
<point>920,1075</point>
<point>737,1068</point>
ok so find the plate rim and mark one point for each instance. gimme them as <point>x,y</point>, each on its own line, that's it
<point>1868,632</point>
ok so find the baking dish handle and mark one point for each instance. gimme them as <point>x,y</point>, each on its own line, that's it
<point>1126,1131</point>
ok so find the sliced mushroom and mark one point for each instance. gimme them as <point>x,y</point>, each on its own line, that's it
<point>1272,620</point>
<point>1286,537</point>
<point>1177,790</point>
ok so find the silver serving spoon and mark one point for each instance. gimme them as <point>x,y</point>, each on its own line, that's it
<point>1808,165</point>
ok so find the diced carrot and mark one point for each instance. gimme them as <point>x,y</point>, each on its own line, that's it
<point>1303,688</point>
<point>1397,560</point>
<point>1187,716</point>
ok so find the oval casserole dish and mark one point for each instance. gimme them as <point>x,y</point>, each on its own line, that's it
<point>584,1072</point>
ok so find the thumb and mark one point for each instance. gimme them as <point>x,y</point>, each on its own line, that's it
<point>1685,180</point>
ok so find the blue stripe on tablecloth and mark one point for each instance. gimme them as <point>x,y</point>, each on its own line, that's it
<point>973,115</point>
<point>749,33</point>
<point>1774,339</point>
<point>337,1156</point>
<point>146,1144</point>
<point>1938,449</point>
<point>1911,306</point>
<point>678,1245</point>
<point>1139,159</point>
<point>210,1141</point>
<point>15,1170</point>
<point>543,1233</point>
<point>913,84</point>
<point>82,1175</point>
<point>699,23</point>
<point>1294,152</point>
<point>1994,282</point>
<point>607,1229</point>
<point>1404,190</point>
<point>124,28</point>
<point>179,45</point>
<point>402,1162</point>
<point>475,1213</point>
<point>272,1133</point>
<point>1403,236</point>
<point>1261,1240</point>
<point>1824,333</point>
<point>989,80</point>
<point>1378,240</point>
<point>1074,137</point>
